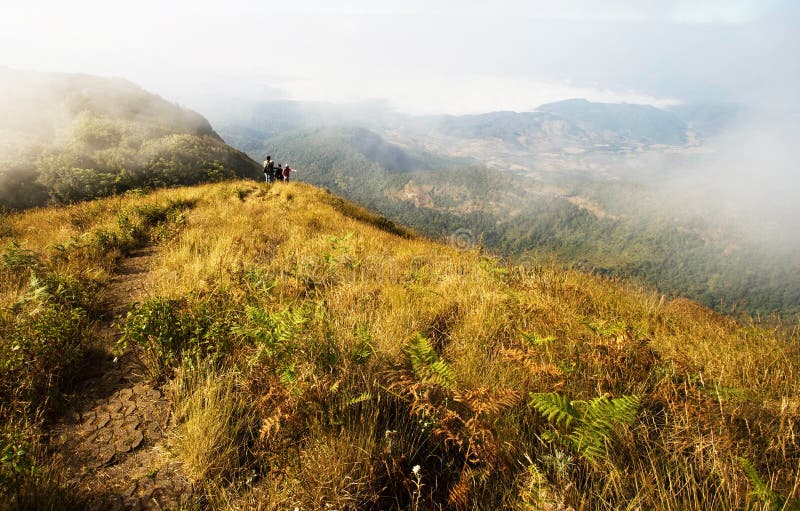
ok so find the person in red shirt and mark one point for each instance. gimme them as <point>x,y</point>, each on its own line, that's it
<point>286,172</point>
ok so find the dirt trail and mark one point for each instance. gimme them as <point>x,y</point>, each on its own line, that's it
<point>110,441</point>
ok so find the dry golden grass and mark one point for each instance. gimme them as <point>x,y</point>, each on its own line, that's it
<point>343,418</point>
<point>213,422</point>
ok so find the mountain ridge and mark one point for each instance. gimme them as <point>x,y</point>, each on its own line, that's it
<point>67,137</point>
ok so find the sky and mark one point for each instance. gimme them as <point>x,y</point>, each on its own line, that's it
<point>453,56</point>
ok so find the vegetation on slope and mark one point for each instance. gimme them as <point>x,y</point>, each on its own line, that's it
<point>673,247</point>
<point>319,357</point>
<point>66,138</point>
<point>54,267</point>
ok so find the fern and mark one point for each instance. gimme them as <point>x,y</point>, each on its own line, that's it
<point>762,493</point>
<point>555,407</point>
<point>426,364</point>
<point>289,376</point>
<point>535,340</point>
<point>14,257</point>
<point>364,396</point>
<point>590,425</point>
<point>605,328</point>
<point>273,333</point>
<point>363,349</point>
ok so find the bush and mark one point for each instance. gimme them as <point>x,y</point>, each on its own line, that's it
<point>16,461</point>
<point>27,480</point>
<point>42,343</point>
<point>164,331</point>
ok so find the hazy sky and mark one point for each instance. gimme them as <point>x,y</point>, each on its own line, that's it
<point>423,56</point>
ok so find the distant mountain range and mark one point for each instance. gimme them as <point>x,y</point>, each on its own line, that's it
<point>574,180</point>
<point>573,123</point>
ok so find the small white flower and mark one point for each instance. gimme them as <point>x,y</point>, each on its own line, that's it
<point>415,469</point>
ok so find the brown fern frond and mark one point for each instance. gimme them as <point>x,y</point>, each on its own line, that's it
<point>529,359</point>
<point>482,401</point>
<point>458,496</point>
<point>271,426</point>
<point>514,354</point>
<point>482,443</point>
<point>449,429</point>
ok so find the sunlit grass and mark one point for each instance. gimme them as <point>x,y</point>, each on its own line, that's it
<point>317,302</point>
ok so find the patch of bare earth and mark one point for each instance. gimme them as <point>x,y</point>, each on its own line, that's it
<point>110,440</point>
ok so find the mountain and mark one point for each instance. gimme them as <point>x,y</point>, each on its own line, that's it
<point>575,122</point>
<point>241,345</point>
<point>603,187</point>
<point>70,137</point>
<point>246,124</point>
<point>638,122</point>
<point>612,227</point>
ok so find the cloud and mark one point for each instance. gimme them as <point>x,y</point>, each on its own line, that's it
<point>466,94</point>
<point>455,56</point>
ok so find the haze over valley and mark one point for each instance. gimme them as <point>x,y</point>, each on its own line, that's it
<point>413,255</point>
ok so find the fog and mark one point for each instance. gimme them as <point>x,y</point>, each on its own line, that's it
<point>750,180</point>
<point>424,57</point>
<point>457,57</point>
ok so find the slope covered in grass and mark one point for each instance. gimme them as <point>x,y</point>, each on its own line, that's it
<point>611,227</point>
<point>318,356</point>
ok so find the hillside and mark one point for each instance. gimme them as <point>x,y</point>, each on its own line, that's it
<point>575,123</point>
<point>613,227</point>
<point>278,347</point>
<point>65,138</point>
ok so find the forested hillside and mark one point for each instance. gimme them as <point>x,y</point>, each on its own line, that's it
<point>65,138</point>
<point>610,227</point>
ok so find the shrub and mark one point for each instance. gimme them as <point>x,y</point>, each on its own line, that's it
<point>27,480</point>
<point>16,458</point>
<point>43,339</point>
<point>166,330</point>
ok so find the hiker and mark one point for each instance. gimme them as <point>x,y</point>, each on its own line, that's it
<point>286,171</point>
<point>269,170</point>
<point>279,173</point>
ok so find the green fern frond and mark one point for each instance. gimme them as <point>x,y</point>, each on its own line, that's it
<point>421,353</point>
<point>535,340</point>
<point>761,491</point>
<point>274,334</point>
<point>365,396</point>
<point>555,407</point>
<point>426,364</point>
<point>591,424</point>
<point>605,327</point>
<point>619,410</point>
<point>289,376</point>
<point>442,374</point>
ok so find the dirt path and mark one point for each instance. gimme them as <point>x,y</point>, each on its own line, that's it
<point>110,441</point>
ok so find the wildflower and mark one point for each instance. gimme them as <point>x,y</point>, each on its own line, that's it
<point>415,469</point>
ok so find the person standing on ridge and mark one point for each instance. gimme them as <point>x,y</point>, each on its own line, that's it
<point>269,170</point>
<point>279,173</point>
<point>286,171</point>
